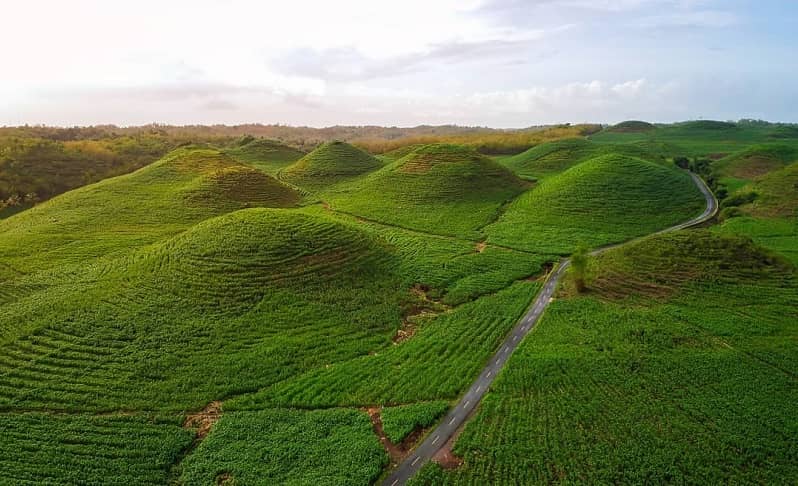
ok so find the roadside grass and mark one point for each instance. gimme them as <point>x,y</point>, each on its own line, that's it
<point>321,447</point>
<point>441,359</point>
<point>399,422</point>
<point>612,387</point>
<point>603,200</point>
<point>443,189</point>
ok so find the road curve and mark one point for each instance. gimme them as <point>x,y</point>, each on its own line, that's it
<point>459,414</point>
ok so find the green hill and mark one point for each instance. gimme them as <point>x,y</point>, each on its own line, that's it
<point>682,350</point>
<point>267,155</point>
<point>554,157</point>
<point>446,189</point>
<point>756,161</point>
<point>329,164</point>
<point>632,126</point>
<point>606,199</point>
<point>233,304</point>
<point>129,211</point>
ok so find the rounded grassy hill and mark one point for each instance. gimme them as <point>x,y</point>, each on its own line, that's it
<point>329,164</point>
<point>264,154</point>
<point>605,199</point>
<point>440,188</point>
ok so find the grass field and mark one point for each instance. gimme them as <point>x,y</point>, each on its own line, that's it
<point>293,294</point>
<point>677,366</point>
<point>329,164</point>
<point>118,214</point>
<point>320,447</point>
<point>603,200</point>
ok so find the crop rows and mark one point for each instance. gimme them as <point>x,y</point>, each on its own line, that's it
<point>40,448</point>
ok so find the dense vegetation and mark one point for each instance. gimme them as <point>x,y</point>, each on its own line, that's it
<point>678,366</point>
<point>603,200</point>
<point>322,447</point>
<point>284,291</point>
<point>443,189</point>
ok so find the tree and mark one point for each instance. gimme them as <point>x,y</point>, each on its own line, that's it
<point>579,267</point>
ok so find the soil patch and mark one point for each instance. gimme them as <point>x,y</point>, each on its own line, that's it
<point>204,419</point>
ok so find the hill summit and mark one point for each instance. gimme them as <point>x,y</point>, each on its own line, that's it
<point>330,163</point>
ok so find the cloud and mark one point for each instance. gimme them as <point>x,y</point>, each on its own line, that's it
<point>350,64</point>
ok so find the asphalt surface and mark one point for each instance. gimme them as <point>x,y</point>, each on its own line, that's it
<point>459,414</point>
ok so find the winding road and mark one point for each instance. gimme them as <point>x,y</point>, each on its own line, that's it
<point>460,413</point>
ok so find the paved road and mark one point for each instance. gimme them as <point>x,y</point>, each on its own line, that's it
<point>458,415</point>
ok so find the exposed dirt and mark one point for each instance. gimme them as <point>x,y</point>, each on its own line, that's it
<point>755,166</point>
<point>204,419</point>
<point>424,307</point>
<point>396,452</point>
<point>225,479</point>
<point>445,457</point>
<point>480,247</point>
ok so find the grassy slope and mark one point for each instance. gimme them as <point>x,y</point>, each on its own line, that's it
<point>39,448</point>
<point>702,138</point>
<point>232,305</point>
<point>756,161</point>
<point>688,379</point>
<point>443,189</point>
<point>321,447</point>
<point>603,200</point>
<point>134,210</point>
<point>771,220</point>
<point>554,157</point>
<point>329,164</point>
<point>269,156</point>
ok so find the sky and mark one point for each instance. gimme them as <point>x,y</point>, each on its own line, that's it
<point>499,63</point>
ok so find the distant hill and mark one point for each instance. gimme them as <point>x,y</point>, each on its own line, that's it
<point>632,126</point>
<point>267,155</point>
<point>162,199</point>
<point>329,164</point>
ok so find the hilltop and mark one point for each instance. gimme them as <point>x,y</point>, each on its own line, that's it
<point>329,164</point>
<point>606,199</point>
<point>266,155</point>
<point>554,157</point>
<point>440,188</point>
<point>185,187</point>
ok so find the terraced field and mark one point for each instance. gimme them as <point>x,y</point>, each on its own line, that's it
<point>135,210</point>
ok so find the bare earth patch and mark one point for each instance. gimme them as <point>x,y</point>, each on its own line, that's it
<point>396,452</point>
<point>204,419</point>
<point>480,247</point>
